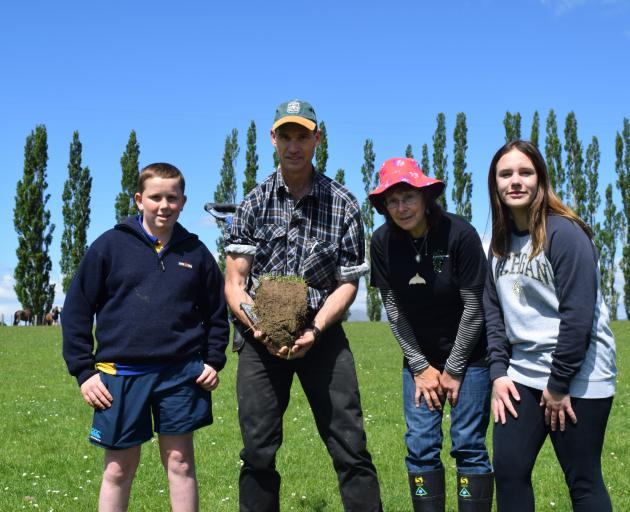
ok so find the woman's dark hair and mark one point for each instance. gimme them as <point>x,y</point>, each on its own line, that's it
<point>545,202</point>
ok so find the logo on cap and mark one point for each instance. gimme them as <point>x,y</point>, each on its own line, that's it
<point>293,107</point>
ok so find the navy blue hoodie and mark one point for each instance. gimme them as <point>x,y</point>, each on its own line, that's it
<point>150,308</point>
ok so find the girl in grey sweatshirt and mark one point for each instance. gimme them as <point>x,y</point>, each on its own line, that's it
<point>550,348</point>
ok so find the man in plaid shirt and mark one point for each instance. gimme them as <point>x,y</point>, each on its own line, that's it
<point>299,222</point>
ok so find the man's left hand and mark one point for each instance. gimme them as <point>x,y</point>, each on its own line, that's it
<point>303,344</point>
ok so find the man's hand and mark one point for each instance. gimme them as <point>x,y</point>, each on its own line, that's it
<point>503,389</point>
<point>451,384</point>
<point>557,408</point>
<point>303,344</point>
<point>428,385</point>
<point>209,378</point>
<point>95,393</point>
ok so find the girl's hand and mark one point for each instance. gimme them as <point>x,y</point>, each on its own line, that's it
<point>502,390</point>
<point>428,385</point>
<point>557,408</point>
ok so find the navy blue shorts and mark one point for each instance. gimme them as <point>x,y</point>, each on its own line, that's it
<point>168,401</point>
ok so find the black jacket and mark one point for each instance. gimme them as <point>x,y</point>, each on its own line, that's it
<point>149,308</point>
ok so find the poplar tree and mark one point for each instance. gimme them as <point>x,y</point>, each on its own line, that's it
<point>76,213</point>
<point>591,171</point>
<point>226,189</point>
<point>533,138</point>
<point>576,184</point>
<point>321,153</point>
<point>553,156</point>
<point>34,230</point>
<point>607,237</point>
<point>462,180</point>
<point>512,124</point>
<point>129,162</point>
<point>370,179</point>
<point>340,177</point>
<point>408,151</point>
<point>622,166</point>
<point>439,155</point>
<point>251,160</point>
<point>425,165</point>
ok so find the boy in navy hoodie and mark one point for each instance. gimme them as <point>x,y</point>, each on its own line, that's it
<point>161,332</point>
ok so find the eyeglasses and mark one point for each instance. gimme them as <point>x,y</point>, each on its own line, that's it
<point>410,200</point>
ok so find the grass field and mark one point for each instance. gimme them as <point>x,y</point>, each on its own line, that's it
<point>47,464</point>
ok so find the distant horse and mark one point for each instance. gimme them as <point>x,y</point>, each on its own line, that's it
<point>52,318</point>
<point>56,314</point>
<point>23,315</point>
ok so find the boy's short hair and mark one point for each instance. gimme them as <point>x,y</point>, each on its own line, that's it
<point>161,170</point>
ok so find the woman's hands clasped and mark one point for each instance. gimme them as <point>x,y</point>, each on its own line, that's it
<point>436,387</point>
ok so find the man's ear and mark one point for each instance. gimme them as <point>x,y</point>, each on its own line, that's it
<point>273,137</point>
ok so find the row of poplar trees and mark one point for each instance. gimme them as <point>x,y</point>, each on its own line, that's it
<point>574,176</point>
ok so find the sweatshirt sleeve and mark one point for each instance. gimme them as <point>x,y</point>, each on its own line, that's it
<point>572,257</point>
<point>80,305</point>
<point>216,317</point>
<point>498,344</point>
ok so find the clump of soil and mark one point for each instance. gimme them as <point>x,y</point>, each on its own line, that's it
<point>281,307</point>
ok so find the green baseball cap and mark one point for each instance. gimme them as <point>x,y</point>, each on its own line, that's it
<point>295,111</point>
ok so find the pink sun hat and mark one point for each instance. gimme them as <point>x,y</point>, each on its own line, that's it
<point>401,170</point>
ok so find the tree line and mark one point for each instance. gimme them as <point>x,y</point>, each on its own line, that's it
<point>574,175</point>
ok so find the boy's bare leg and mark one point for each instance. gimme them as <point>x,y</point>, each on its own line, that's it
<point>178,457</point>
<point>120,469</point>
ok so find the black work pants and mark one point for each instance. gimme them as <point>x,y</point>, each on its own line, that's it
<point>328,377</point>
<point>578,448</point>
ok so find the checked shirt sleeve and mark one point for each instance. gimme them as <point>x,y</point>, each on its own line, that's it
<point>239,236</point>
<point>352,263</point>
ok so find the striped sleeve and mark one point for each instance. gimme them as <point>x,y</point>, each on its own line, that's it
<point>469,330</point>
<point>403,332</point>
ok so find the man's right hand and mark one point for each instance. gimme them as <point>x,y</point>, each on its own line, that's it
<point>95,393</point>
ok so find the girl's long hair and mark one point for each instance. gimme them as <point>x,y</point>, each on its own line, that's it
<point>545,202</point>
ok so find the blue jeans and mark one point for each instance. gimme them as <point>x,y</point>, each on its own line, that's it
<point>469,422</point>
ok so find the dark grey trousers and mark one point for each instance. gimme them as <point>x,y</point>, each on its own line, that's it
<point>328,377</point>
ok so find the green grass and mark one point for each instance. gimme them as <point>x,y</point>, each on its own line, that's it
<point>47,464</point>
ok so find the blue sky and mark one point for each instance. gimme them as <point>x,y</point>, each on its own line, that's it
<point>184,74</point>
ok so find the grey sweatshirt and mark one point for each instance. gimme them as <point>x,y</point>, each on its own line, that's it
<point>547,323</point>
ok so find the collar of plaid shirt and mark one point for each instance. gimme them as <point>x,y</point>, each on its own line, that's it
<point>300,237</point>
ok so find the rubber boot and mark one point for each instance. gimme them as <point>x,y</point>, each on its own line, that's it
<point>427,491</point>
<point>474,492</point>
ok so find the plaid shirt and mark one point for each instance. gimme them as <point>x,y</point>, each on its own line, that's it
<point>319,237</point>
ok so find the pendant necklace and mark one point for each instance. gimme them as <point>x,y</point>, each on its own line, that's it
<point>418,279</point>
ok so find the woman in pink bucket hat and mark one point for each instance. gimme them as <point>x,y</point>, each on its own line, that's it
<point>430,268</point>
